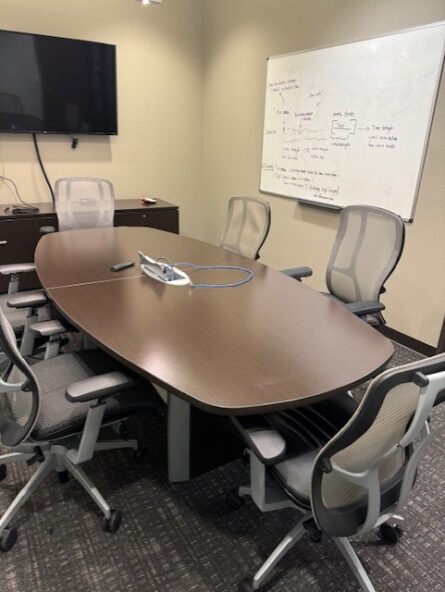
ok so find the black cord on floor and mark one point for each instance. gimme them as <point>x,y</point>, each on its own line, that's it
<point>34,137</point>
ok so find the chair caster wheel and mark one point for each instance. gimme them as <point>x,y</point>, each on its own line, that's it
<point>3,472</point>
<point>112,523</point>
<point>234,500</point>
<point>63,476</point>
<point>246,585</point>
<point>8,539</point>
<point>140,455</point>
<point>315,536</point>
<point>313,531</point>
<point>390,533</point>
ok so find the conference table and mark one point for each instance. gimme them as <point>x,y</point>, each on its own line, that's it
<point>270,344</point>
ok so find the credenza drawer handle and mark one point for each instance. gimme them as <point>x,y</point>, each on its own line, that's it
<point>3,242</point>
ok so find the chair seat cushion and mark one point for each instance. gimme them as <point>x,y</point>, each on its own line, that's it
<point>59,417</point>
<point>306,430</point>
<point>294,473</point>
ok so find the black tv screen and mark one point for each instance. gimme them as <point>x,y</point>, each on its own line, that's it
<point>55,85</point>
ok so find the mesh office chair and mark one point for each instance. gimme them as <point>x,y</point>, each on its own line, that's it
<point>84,202</point>
<point>346,471</point>
<point>52,412</point>
<point>81,202</point>
<point>247,226</point>
<point>366,250</point>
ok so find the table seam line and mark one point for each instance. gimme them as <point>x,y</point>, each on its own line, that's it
<point>133,277</point>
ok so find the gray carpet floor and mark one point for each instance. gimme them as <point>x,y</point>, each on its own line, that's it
<point>183,538</point>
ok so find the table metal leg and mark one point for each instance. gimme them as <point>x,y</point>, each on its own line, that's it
<point>178,434</point>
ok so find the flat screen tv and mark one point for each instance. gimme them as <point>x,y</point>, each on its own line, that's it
<point>56,85</point>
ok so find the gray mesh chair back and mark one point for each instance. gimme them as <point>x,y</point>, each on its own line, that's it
<point>370,465</point>
<point>19,391</point>
<point>367,247</point>
<point>247,226</point>
<point>84,202</point>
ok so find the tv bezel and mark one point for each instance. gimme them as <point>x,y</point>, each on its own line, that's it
<point>65,133</point>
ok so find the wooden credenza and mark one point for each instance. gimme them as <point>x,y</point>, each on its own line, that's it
<point>20,233</point>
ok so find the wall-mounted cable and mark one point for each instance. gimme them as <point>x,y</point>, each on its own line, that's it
<point>36,146</point>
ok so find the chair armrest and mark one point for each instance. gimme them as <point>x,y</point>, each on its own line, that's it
<point>264,441</point>
<point>28,299</point>
<point>48,328</point>
<point>440,397</point>
<point>96,387</point>
<point>298,272</point>
<point>16,268</point>
<point>364,307</point>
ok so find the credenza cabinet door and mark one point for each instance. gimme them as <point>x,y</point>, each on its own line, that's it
<point>17,245</point>
<point>167,220</point>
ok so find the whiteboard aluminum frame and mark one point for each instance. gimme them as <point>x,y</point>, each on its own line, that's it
<point>306,201</point>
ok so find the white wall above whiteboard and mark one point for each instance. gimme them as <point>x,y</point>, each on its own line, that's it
<point>349,124</point>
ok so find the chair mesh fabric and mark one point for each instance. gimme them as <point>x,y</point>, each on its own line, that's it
<point>42,411</point>
<point>18,409</point>
<point>370,441</point>
<point>306,430</point>
<point>387,429</point>
<point>247,226</point>
<point>367,248</point>
<point>57,415</point>
<point>84,202</point>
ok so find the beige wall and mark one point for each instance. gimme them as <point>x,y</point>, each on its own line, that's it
<point>159,58</point>
<point>239,36</point>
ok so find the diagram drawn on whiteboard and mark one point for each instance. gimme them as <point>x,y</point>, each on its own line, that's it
<point>350,123</point>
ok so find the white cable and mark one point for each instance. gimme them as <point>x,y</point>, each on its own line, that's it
<point>196,267</point>
<point>3,178</point>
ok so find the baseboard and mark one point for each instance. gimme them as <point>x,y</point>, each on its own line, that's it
<point>407,341</point>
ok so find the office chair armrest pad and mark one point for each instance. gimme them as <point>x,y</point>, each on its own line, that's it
<point>28,299</point>
<point>48,328</point>
<point>103,385</point>
<point>298,272</point>
<point>364,307</point>
<point>263,440</point>
<point>16,268</point>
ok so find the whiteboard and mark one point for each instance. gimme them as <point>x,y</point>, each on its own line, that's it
<point>349,124</point>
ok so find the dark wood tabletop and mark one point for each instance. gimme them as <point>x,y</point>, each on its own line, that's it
<point>270,344</point>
